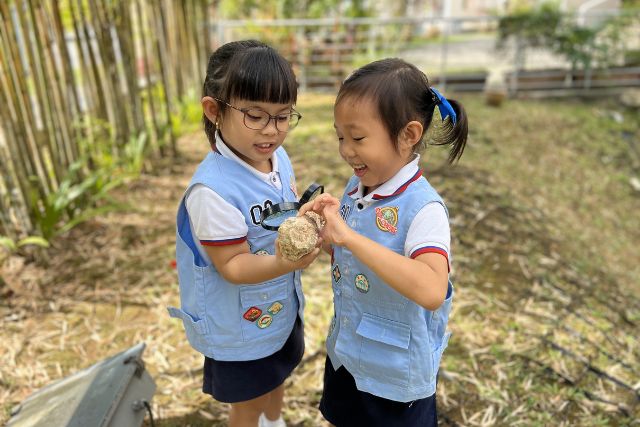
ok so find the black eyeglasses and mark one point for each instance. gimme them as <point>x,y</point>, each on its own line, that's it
<point>257,119</point>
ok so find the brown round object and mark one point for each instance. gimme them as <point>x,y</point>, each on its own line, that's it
<point>298,236</point>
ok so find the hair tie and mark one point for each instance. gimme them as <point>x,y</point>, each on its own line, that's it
<point>446,110</point>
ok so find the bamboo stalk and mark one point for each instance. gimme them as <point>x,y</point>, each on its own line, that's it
<point>53,62</point>
<point>47,141</point>
<point>125,35</point>
<point>206,48</point>
<point>20,96</point>
<point>193,39</point>
<point>179,48</point>
<point>155,134</point>
<point>103,20</point>
<point>9,116</point>
<point>88,86</point>
<point>160,45</point>
<point>104,68</point>
<point>13,220</point>
<point>18,188</point>
<point>166,11</point>
<point>99,89</point>
<point>71,92</point>
<point>50,96</point>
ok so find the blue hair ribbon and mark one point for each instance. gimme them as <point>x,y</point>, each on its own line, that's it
<point>446,110</point>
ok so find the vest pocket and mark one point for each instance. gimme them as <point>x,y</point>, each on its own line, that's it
<point>197,325</point>
<point>384,354</point>
<point>264,309</point>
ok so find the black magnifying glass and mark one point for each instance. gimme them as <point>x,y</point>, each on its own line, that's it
<point>272,217</point>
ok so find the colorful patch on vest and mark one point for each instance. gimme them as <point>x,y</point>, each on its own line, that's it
<point>387,219</point>
<point>336,273</point>
<point>261,252</point>
<point>275,308</point>
<point>344,211</point>
<point>252,314</point>
<point>362,283</point>
<point>264,321</point>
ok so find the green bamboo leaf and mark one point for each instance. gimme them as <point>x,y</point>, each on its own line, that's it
<point>8,243</point>
<point>33,240</point>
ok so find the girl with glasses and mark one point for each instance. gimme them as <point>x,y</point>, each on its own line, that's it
<point>241,301</point>
<point>390,244</point>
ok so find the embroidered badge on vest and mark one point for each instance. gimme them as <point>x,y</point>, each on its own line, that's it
<point>387,219</point>
<point>275,308</point>
<point>362,283</point>
<point>336,273</point>
<point>261,252</point>
<point>344,211</point>
<point>264,321</point>
<point>252,314</point>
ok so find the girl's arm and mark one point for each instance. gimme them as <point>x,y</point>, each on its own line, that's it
<point>239,266</point>
<point>422,280</point>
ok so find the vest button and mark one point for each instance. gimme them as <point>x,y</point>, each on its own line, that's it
<point>360,206</point>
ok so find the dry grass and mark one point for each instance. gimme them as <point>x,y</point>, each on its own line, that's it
<point>546,311</point>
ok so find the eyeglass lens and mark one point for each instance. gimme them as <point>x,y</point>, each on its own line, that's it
<point>258,120</point>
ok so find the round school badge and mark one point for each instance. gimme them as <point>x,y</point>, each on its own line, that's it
<point>264,321</point>
<point>387,219</point>
<point>275,308</point>
<point>362,283</point>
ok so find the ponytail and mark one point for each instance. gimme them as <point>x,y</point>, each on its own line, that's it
<point>458,134</point>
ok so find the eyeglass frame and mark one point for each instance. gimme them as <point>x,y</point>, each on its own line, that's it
<point>274,118</point>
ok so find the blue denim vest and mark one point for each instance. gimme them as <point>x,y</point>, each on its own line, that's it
<point>223,320</point>
<point>388,343</point>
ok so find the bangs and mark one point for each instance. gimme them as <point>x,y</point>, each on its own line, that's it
<point>260,74</point>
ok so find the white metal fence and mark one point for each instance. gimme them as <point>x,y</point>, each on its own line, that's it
<point>455,52</point>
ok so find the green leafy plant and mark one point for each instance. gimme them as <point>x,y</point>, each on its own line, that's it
<point>76,200</point>
<point>548,26</point>
<point>134,154</point>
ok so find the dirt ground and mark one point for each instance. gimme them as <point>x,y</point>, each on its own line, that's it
<point>539,337</point>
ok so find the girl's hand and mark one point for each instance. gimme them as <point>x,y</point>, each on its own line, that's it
<point>335,230</point>
<point>300,264</point>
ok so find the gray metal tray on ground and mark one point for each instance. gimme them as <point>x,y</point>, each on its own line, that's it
<point>111,393</point>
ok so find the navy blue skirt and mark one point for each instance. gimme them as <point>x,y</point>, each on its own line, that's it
<point>343,405</point>
<point>232,382</point>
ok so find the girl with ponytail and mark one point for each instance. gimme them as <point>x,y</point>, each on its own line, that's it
<point>391,249</point>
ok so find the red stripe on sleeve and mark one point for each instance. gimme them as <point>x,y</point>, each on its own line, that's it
<point>431,250</point>
<point>223,242</point>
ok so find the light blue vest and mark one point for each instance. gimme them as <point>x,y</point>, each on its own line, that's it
<point>222,320</point>
<point>389,344</point>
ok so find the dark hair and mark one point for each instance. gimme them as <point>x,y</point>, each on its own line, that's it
<point>250,70</point>
<point>402,94</point>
